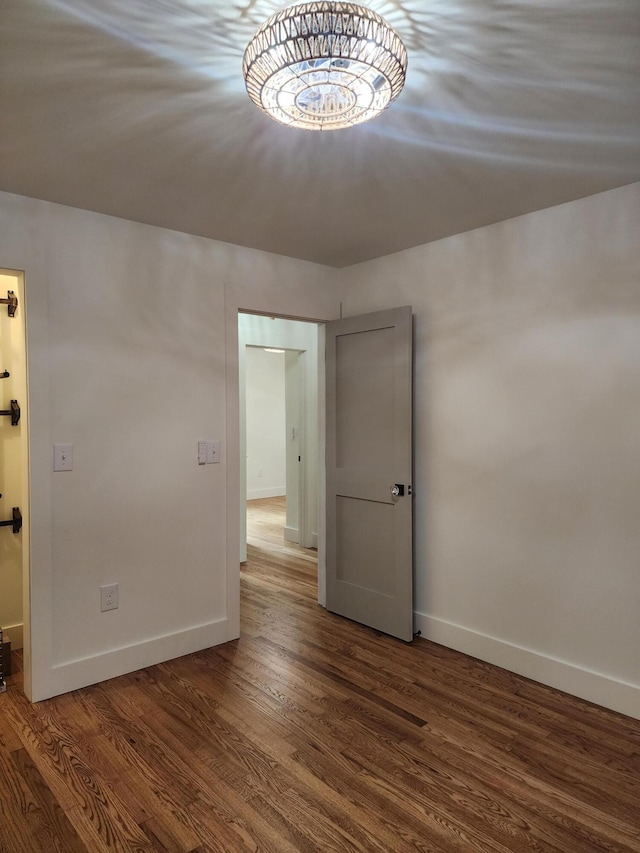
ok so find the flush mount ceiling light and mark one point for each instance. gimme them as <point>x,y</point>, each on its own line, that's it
<point>324,66</point>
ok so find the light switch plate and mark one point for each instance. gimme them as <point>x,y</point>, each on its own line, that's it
<point>63,457</point>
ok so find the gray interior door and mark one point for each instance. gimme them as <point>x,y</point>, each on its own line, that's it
<point>369,457</point>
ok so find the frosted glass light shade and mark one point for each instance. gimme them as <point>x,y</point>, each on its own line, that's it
<point>324,66</point>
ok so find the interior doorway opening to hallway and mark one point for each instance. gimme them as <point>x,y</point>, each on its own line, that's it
<point>281,413</point>
<point>365,470</point>
<point>277,563</point>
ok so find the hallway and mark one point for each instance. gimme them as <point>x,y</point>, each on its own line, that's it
<point>273,563</point>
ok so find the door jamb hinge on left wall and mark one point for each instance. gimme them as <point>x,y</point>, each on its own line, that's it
<point>15,521</point>
<point>13,412</point>
<point>11,302</point>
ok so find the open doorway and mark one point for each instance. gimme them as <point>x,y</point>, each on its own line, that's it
<point>299,342</point>
<point>278,396</point>
<point>261,305</point>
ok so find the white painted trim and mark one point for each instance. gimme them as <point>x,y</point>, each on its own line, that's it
<point>274,492</point>
<point>321,526</point>
<point>235,470</point>
<point>71,675</point>
<point>291,534</point>
<point>593,686</point>
<point>15,633</point>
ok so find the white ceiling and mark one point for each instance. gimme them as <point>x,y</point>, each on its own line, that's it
<point>137,108</point>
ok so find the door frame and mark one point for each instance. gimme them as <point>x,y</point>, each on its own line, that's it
<point>232,457</point>
<point>25,476</point>
<point>297,470</point>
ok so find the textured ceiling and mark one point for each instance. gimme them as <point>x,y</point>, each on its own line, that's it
<point>136,108</point>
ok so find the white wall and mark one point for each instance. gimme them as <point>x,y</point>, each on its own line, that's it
<point>13,461</point>
<point>527,425</point>
<point>130,347</point>
<point>527,440</point>
<point>265,390</point>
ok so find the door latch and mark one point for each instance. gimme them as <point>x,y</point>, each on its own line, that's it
<point>398,490</point>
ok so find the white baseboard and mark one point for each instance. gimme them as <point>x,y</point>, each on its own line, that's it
<point>15,633</point>
<point>274,492</point>
<point>291,534</point>
<point>616,695</point>
<point>74,674</point>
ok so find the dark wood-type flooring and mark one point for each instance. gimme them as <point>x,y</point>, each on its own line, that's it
<point>311,733</point>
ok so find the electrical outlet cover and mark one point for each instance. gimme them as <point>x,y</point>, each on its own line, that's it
<point>109,597</point>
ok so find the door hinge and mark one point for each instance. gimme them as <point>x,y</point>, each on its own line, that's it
<point>15,521</point>
<point>14,412</point>
<point>11,302</point>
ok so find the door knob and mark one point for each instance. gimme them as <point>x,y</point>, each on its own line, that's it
<point>397,490</point>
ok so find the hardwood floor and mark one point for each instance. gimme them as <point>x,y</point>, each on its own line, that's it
<point>312,733</point>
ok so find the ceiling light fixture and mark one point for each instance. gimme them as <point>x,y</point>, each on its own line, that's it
<point>324,66</point>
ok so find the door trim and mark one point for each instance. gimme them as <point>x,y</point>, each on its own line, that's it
<point>25,475</point>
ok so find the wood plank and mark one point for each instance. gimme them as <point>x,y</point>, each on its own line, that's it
<point>18,834</point>
<point>54,831</point>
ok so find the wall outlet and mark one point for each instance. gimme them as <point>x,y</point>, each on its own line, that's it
<point>109,597</point>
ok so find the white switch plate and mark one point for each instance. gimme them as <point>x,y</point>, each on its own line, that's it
<point>63,457</point>
<point>213,452</point>
<point>208,452</point>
